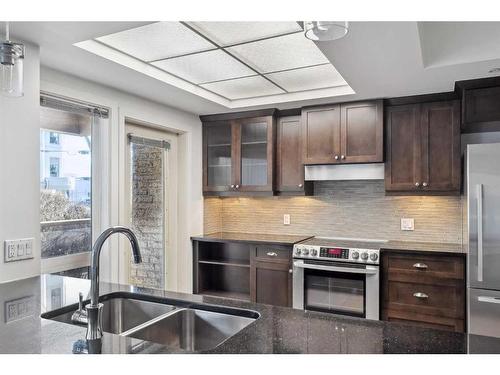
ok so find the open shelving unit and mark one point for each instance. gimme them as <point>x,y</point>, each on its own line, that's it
<point>224,270</point>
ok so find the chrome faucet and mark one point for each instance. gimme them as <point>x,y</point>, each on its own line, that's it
<point>93,310</point>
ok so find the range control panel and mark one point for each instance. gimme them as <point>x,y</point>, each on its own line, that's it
<point>355,255</point>
<point>334,252</point>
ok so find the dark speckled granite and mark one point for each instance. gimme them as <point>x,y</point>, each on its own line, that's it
<point>278,330</point>
<point>278,239</point>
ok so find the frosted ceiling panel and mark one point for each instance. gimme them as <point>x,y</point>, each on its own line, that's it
<point>227,33</point>
<point>157,41</point>
<point>243,88</point>
<point>311,78</point>
<point>285,52</point>
<point>205,67</point>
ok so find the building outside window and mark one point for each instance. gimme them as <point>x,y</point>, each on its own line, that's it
<point>66,137</point>
<point>53,138</point>
<point>54,167</point>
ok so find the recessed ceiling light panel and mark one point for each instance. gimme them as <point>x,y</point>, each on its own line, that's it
<point>158,40</point>
<point>205,67</point>
<point>243,88</point>
<point>281,53</point>
<point>228,33</point>
<point>311,78</point>
<point>234,64</point>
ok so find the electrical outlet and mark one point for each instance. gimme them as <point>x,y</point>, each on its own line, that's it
<point>19,308</point>
<point>407,224</point>
<point>18,249</point>
<point>286,219</point>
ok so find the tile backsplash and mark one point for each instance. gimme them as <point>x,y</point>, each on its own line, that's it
<point>342,209</point>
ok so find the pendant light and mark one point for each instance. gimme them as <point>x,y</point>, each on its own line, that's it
<point>11,66</point>
<point>325,30</point>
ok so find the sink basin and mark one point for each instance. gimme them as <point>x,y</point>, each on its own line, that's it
<point>121,314</point>
<point>191,329</point>
<point>174,323</point>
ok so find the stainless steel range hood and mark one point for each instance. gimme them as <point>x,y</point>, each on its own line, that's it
<point>373,171</point>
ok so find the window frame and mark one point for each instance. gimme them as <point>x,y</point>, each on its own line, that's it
<point>98,132</point>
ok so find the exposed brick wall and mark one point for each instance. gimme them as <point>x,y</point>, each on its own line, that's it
<point>148,215</point>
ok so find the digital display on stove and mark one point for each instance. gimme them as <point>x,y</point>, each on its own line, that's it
<point>335,251</point>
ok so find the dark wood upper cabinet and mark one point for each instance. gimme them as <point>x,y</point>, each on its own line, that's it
<point>402,168</point>
<point>254,148</point>
<point>218,156</point>
<point>238,155</point>
<point>480,104</point>
<point>321,135</point>
<point>343,133</point>
<point>440,130</point>
<point>362,129</point>
<point>289,165</point>
<point>423,147</point>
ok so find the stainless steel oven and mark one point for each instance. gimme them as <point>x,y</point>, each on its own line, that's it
<point>337,279</point>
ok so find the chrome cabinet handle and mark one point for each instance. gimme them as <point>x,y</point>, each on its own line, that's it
<point>420,295</point>
<point>417,184</point>
<point>342,157</point>
<point>237,186</point>
<point>424,184</point>
<point>368,270</point>
<point>272,254</point>
<point>480,232</point>
<point>232,186</point>
<point>300,185</point>
<point>488,299</point>
<point>290,271</point>
<point>336,157</point>
<point>421,266</point>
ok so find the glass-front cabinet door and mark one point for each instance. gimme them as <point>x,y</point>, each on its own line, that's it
<point>218,158</point>
<point>254,154</point>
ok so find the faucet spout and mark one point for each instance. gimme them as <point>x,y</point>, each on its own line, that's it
<point>94,330</point>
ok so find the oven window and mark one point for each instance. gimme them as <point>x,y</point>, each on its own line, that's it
<point>335,292</point>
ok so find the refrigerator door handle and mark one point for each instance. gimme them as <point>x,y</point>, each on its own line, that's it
<point>480,232</point>
<point>488,299</point>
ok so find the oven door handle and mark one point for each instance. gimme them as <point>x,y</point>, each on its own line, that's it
<point>367,271</point>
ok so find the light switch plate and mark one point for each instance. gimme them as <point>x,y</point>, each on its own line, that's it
<point>407,224</point>
<point>21,249</point>
<point>286,219</point>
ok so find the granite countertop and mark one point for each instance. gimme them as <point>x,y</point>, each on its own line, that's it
<point>277,330</point>
<point>432,247</point>
<point>281,239</point>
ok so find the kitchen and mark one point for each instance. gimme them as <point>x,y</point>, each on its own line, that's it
<point>250,187</point>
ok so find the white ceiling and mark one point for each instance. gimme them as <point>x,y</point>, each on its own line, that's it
<point>377,59</point>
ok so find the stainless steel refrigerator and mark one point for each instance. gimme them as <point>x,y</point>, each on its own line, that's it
<point>483,209</point>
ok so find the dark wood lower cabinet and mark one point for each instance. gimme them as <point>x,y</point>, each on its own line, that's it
<point>271,283</point>
<point>424,290</point>
<point>257,273</point>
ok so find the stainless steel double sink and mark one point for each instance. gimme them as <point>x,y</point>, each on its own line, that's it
<point>174,323</point>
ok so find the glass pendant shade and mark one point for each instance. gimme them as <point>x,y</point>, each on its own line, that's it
<point>11,69</point>
<point>325,30</point>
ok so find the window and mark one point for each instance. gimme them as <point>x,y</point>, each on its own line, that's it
<point>53,138</point>
<point>66,185</point>
<point>54,167</point>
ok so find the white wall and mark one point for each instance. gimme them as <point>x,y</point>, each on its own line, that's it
<point>126,106</point>
<point>19,170</point>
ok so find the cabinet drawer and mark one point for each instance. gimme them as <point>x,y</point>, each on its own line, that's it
<point>437,300</point>
<point>428,269</point>
<point>425,321</point>
<point>282,254</point>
